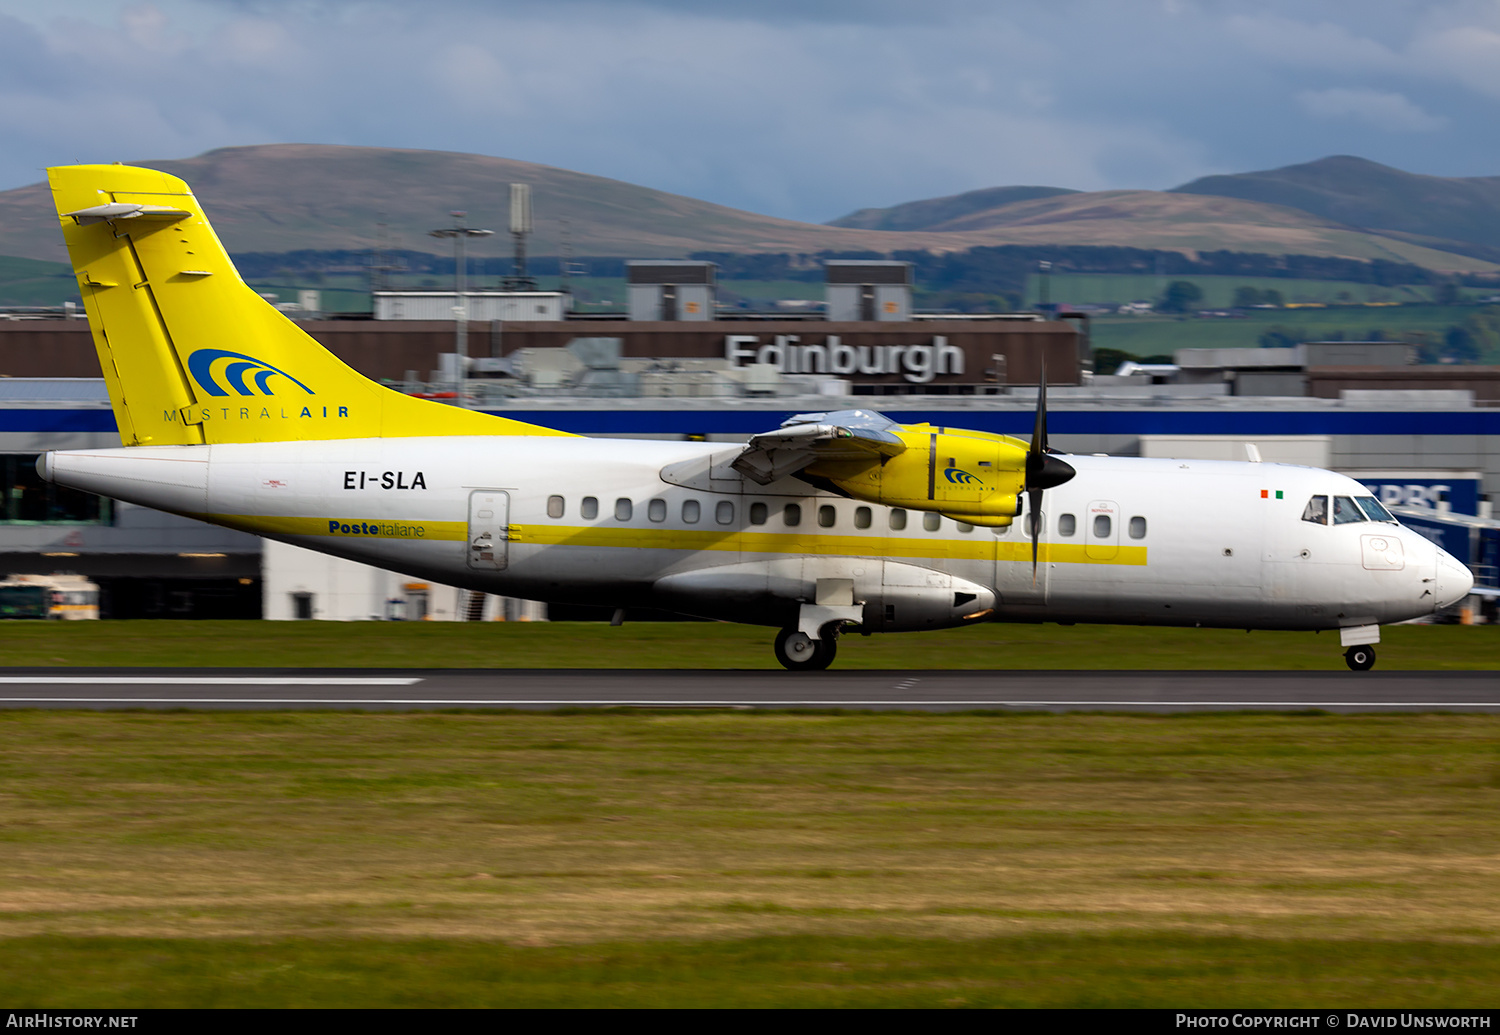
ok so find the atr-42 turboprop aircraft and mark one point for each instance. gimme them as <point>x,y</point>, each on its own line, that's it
<point>233,415</point>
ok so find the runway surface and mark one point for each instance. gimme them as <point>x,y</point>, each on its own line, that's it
<point>409,689</point>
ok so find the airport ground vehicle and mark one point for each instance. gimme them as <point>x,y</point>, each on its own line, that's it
<point>64,597</point>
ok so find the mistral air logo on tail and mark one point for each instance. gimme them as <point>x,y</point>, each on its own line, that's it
<point>232,369</point>
<point>225,374</point>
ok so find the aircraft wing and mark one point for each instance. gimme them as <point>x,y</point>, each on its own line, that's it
<point>810,437</point>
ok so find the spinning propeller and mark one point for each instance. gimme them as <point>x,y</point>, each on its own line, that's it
<point>1044,470</point>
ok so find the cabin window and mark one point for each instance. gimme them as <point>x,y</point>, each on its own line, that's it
<point>1102,526</point>
<point>1373,509</point>
<point>623,510</point>
<point>1031,523</point>
<point>692,510</point>
<point>963,527</point>
<point>932,522</point>
<point>792,515</point>
<point>589,508</point>
<point>656,510</point>
<point>724,513</point>
<point>861,517</point>
<point>827,516</point>
<point>1345,512</point>
<point>897,519</point>
<point>1067,525</point>
<point>1317,510</point>
<point>759,513</point>
<point>1137,527</point>
<point>554,506</point>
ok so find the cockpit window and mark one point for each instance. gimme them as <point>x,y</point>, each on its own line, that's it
<point>1317,510</point>
<point>1345,512</point>
<point>1372,507</point>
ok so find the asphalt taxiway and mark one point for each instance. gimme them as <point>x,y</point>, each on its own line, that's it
<point>548,689</point>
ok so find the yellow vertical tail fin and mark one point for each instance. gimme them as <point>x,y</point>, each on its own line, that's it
<point>190,353</point>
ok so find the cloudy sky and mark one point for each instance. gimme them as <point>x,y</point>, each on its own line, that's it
<point>799,108</point>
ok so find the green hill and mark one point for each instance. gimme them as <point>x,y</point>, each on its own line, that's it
<point>936,213</point>
<point>288,197</point>
<point>1433,210</point>
<point>1192,223</point>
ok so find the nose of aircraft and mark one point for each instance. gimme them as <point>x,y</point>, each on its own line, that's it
<point>1454,580</point>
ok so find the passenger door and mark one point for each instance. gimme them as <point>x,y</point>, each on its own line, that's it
<point>489,529</point>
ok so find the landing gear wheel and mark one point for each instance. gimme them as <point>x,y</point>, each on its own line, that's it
<point>828,648</point>
<point>1360,659</point>
<point>801,653</point>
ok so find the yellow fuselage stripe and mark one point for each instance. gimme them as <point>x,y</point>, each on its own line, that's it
<point>982,547</point>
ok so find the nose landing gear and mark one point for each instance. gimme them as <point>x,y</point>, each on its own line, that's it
<point>1360,641</point>
<point>801,653</point>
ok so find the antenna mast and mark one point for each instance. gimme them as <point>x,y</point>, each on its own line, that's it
<point>380,265</point>
<point>565,267</point>
<point>460,234</point>
<point>520,227</point>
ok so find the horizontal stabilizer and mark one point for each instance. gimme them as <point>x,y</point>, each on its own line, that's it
<point>124,210</point>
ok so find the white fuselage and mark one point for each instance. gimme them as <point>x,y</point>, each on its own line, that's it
<point>1159,542</point>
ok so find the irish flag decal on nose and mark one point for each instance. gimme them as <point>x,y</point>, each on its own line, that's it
<point>1265,494</point>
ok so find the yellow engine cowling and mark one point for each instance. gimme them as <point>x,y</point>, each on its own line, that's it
<point>970,476</point>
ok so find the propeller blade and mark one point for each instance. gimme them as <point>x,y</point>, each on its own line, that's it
<point>1039,428</point>
<point>1043,470</point>
<point>1034,518</point>
<point>1036,463</point>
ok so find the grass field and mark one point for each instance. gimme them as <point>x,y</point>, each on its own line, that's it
<point>713,645</point>
<point>712,859</point>
<point>1218,291</point>
<point>35,282</point>
<point>1158,335</point>
<point>354,298</point>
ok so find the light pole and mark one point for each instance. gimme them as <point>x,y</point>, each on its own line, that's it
<point>460,234</point>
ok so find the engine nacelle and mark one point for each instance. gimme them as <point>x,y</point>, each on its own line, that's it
<point>970,476</point>
<point>891,596</point>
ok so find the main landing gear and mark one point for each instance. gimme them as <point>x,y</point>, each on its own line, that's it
<point>1361,658</point>
<point>799,652</point>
